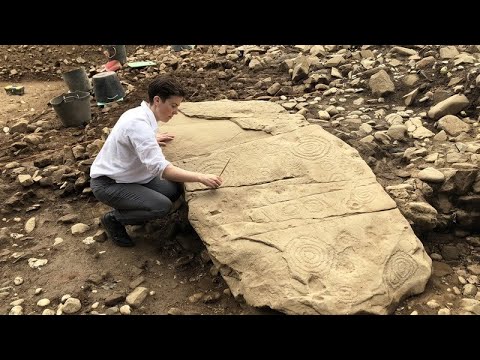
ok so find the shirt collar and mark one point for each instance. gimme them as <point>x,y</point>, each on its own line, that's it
<point>150,115</point>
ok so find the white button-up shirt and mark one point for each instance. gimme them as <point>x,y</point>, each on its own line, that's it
<point>131,153</point>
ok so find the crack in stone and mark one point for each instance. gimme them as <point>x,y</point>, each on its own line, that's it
<point>258,241</point>
<point>316,221</point>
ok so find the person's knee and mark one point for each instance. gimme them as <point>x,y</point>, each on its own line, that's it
<point>175,190</point>
<point>161,208</point>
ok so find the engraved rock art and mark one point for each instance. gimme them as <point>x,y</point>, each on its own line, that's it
<point>300,220</point>
<point>360,197</point>
<point>311,148</point>
<point>308,256</point>
<point>399,268</point>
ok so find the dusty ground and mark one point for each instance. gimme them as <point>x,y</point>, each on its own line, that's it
<point>169,259</point>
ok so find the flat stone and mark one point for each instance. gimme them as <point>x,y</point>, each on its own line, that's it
<point>431,175</point>
<point>441,269</point>
<point>315,233</point>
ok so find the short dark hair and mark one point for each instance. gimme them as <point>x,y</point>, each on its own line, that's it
<point>165,86</point>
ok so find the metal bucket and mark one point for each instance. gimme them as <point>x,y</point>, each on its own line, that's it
<point>73,108</point>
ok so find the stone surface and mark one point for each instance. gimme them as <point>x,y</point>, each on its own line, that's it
<point>300,223</point>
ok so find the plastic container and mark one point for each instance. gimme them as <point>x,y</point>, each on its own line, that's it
<point>73,108</point>
<point>117,52</point>
<point>77,79</point>
<point>107,87</point>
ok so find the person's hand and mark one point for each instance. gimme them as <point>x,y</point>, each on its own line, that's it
<point>164,138</point>
<point>212,181</point>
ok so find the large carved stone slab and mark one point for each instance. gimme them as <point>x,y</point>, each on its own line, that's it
<point>300,223</point>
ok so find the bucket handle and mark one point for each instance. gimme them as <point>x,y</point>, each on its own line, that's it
<point>114,52</point>
<point>111,98</point>
<point>69,98</point>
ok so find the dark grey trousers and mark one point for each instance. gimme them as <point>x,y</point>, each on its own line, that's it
<point>135,204</point>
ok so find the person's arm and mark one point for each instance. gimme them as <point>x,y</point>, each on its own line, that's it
<point>177,174</point>
<point>164,137</point>
<point>151,155</point>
